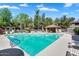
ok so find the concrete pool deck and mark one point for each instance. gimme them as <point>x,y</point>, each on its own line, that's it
<point>4,42</point>
<point>58,48</point>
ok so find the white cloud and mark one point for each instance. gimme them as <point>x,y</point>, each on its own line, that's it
<point>7,6</point>
<point>41,5</point>
<point>68,5</point>
<point>24,5</point>
<point>48,9</point>
<point>65,13</point>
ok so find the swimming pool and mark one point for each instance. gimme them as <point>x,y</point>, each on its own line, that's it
<point>33,43</point>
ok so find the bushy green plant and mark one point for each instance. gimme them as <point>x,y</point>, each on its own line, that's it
<point>76,30</point>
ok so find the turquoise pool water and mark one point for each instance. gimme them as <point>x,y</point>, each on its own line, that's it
<point>33,43</point>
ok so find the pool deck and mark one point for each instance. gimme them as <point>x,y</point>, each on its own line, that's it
<point>4,42</point>
<point>58,48</point>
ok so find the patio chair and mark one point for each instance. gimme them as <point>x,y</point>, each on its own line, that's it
<point>69,54</point>
<point>74,47</point>
<point>75,41</point>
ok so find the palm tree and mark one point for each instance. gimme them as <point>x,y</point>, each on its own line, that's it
<point>43,20</point>
<point>37,20</point>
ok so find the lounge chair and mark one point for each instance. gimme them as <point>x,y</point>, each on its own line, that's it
<point>73,48</point>
<point>74,41</point>
<point>69,54</point>
<point>11,52</point>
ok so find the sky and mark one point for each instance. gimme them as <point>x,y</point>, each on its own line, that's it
<point>50,9</point>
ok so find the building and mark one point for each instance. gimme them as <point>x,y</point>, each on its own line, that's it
<point>53,28</point>
<point>75,23</point>
<point>73,26</point>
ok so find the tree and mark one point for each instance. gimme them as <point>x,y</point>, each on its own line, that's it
<point>2,23</point>
<point>31,25</point>
<point>57,21</point>
<point>64,21</point>
<point>23,20</point>
<point>37,19</point>
<point>43,20</point>
<point>71,19</point>
<point>48,21</point>
<point>5,17</point>
<point>15,23</point>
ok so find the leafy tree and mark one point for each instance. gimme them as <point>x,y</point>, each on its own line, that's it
<point>57,21</point>
<point>64,21</point>
<point>23,20</point>
<point>5,17</point>
<point>2,23</point>
<point>48,21</point>
<point>31,24</point>
<point>15,23</point>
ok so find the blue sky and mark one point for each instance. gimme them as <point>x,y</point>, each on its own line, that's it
<point>50,9</point>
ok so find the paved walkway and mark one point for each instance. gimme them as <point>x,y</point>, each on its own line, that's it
<point>4,42</point>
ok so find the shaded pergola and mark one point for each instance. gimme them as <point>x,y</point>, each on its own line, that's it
<point>53,28</point>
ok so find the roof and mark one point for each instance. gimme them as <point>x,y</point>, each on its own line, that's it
<point>76,21</point>
<point>52,26</point>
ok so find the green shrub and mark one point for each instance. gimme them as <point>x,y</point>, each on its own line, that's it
<point>76,30</point>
